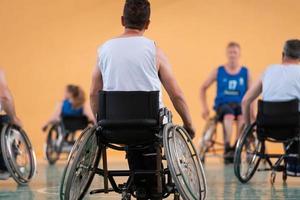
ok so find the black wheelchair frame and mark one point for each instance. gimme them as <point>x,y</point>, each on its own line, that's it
<point>61,136</point>
<point>260,132</point>
<point>168,181</point>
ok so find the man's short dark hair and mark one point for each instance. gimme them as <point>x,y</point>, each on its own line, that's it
<point>136,14</point>
<point>292,49</point>
<point>233,44</point>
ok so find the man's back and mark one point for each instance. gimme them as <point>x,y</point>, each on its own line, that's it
<point>129,64</point>
<point>281,83</point>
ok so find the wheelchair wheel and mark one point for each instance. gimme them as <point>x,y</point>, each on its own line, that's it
<point>246,160</point>
<point>19,155</point>
<point>54,143</point>
<point>70,162</point>
<point>208,137</point>
<point>184,164</point>
<point>80,172</point>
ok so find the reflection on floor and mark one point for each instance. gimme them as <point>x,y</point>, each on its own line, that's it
<point>222,184</point>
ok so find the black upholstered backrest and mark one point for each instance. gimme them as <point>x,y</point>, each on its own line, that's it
<point>75,123</point>
<point>278,118</point>
<point>119,105</point>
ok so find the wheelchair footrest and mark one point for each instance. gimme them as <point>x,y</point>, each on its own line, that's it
<point>101,191</point>
<point>280,168</point>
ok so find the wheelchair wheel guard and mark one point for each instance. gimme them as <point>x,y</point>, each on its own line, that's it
<point>246,160</point>
<point>70,161</point>
<point>20,158</point>
<point>54,143</point>
<point>184,163</point>
<point>80,171</point>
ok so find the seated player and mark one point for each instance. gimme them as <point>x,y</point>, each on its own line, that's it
<point>280,82</point>
<point>73,105</point>
<point>132,62</point>
<point>7,105</point>
<point>233,81</point>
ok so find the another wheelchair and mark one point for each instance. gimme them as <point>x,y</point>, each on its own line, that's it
<point>276,122</point>
<point>209,143</point>
<point>132,121</point>
<point>62,135</point>
<point>17,154</point>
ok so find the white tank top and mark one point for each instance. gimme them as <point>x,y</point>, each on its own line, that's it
<point>129,64</point>
<point>281,83</point>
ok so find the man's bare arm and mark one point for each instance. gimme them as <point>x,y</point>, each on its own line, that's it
<point>248,99</point>
<point>206,84</point>
<point>174,91</point>
<point>7,101</point>
<point>96,86</point>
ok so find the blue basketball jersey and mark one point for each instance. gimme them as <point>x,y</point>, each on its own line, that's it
<point>68,110</point>
<point>231,88</point>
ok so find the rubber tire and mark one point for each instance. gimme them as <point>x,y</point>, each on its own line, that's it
<point>73,167</point>
<point>52,161</point>
<point>237,156</point>
<point>69,162</point>
<point>22,181</point>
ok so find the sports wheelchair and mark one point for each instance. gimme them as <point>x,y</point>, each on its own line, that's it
<point>16,153</point>
<point>209,143</point>
<point>133,121</point>
<point>62,135</point>
<point>277,122</point>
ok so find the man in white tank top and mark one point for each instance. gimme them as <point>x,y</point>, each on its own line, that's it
<point>280,82</point>
<point>7,105</point>
<point>132,62</point>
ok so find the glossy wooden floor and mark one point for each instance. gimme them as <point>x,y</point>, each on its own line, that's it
<point>222,184</point>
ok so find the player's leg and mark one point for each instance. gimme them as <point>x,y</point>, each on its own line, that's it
<point>226,115</point>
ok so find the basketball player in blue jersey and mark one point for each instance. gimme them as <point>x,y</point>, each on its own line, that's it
<point>233,81</point>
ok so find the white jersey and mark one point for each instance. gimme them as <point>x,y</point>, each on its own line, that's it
<point>281,83</point>
<point>129,64</point>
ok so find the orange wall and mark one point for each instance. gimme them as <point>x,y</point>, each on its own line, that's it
<point>46,44</point>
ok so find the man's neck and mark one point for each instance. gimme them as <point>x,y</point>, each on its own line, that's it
<point>233,66</point>
<point>288,61</point>
<point>133,32</point>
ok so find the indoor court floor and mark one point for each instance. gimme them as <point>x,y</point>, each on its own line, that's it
<point>222,184</point>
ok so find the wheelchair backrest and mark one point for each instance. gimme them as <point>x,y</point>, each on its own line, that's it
<point>128,117</point>
<point>75,123</point>
<point>119,105</point>
<point>279,120</point>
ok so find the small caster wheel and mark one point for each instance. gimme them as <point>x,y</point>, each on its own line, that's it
<point>272,178</point>
<point>126,196</point>
<point>284,176</point>
<point>176,196</point>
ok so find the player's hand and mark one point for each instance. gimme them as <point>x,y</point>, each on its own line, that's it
<point>205,113</point>
<point>44,128</point>
<point>191,130</point>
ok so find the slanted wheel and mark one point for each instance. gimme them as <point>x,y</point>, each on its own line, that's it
<point>284,176</point>
<point>19,156</point>
<point>54,143</point>
<point>207,138</point>
<point>70,162</point>
<point>80,171</point>
<point>272,177</point>
<point>246,160</point>
<point>184,164</point>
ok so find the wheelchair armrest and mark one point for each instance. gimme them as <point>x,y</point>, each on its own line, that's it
<point>130,123</point>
